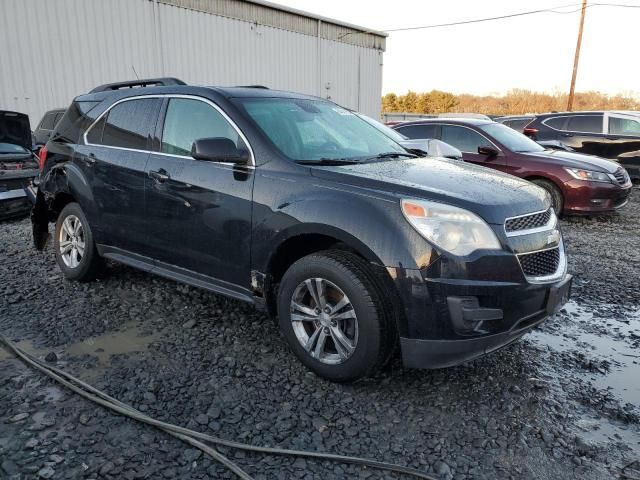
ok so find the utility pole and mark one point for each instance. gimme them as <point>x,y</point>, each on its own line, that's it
<point>577,57</point>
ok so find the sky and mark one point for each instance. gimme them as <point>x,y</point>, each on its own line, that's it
<point>533,52</point>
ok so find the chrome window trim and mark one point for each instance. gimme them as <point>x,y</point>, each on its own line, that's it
<point>468,128</point>
<point>171,95</point>
<point>544,122</point>
<point>550,225</point>
<point>554,277</point>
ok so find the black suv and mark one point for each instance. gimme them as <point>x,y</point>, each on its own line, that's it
<point>296,205</point>
<point>609,134</point>
<point>46,126</point>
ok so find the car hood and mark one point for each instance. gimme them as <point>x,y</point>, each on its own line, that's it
<point>15,129</point>
<point>577,160</point>
<point>492,195</point>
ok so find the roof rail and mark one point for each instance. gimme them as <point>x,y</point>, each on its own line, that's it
<point>145,82</point>
<point>253,86</point>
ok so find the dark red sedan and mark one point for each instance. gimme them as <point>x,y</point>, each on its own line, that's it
<point>577,183</point>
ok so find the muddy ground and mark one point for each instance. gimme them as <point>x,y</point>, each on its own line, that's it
<point>561,403</point>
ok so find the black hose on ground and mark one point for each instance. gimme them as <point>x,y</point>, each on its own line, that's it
<point>189,436</point>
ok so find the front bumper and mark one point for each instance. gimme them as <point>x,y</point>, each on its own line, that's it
<point>591,197</point>
<point>493,315</point>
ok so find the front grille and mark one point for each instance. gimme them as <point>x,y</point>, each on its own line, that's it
<point>540,264</point>
<point>621,176</point>
<point>527,222</point>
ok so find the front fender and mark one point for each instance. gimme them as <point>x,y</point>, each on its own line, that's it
<point>372,225</point>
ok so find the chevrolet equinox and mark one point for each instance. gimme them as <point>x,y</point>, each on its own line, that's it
<point>300,207</point>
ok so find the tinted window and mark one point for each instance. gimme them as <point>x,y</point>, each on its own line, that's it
<point>624,126</point>
<point>556,122</point>
<point>57,119</point>
<point>95,134</point>
<point>418,131</point>
<point>129,124</point>
<point>464,139</point>
<point>189,120</point>
<point>75,121</point>
<point>585,123</point>
<point>518,124</point>
<point>48,121</point>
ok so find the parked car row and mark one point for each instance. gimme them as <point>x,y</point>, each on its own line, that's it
<point>301,207</point>
<point>608,134</point>
<point>576,183</point>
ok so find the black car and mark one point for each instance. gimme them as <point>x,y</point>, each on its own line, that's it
<point>18,164</point>
<point>296,205</point>
<point>609,134</point>
<point>517,122</point>
<point>46,126</point>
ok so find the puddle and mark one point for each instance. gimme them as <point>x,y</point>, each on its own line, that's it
<point>602,431</point>
<point>25,345</point>
<point>612,336</point>
<point>130,339</point>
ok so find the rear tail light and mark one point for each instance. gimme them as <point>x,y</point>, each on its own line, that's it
<point>530,132</point>
<point>42,157</point>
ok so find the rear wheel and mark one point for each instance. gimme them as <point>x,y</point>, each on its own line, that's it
<point>332,313</point>
<point>557,200</point>
<point>75,248</point>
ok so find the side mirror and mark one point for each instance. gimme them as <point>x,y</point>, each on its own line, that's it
<point>418,146</point>
<point>438,148</point>
<point>218,150</point>
<point>488,150</point>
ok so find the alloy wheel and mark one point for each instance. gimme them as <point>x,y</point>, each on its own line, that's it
<point>72,241</point>
<point>324,321</point>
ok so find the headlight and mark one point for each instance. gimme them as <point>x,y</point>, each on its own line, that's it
<point>588,175</point>
<point>453,229</point>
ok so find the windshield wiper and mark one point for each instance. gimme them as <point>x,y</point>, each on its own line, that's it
<point>328,161</point>
<point>395,155</point>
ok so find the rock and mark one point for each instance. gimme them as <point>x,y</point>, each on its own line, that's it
<point>51,357</point>
<point>202,419</point>
<point>56,458</point>
<point>84,419</point>
<point>19,417</point>
<point>106,468</point>
<point>189,324</point>
<point>31,443</point>
<point>442,468</point>
<point>46,472</point>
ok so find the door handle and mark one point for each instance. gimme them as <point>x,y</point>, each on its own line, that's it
<point>159,176</point>
<point>89,159</point>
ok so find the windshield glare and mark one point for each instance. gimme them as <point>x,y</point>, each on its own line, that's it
<point>514,141</point>
<point>11,148</point>
<point>304,129</point>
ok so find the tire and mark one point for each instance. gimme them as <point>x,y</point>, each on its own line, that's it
<point>557,200</point>
<point>72,232</point>
<point>370,336</point>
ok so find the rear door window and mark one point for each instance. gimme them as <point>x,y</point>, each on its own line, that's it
<point>556,122</point>
<point>129,124</point>
<point>463,138</point>
<point>418,131</point>
<point>624,126</point>
<point>48,121</point>
<point>189,120</point>
<point>585,124</point>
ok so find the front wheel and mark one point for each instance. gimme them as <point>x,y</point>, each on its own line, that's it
<point>557,200</point>
<point>334,317</point>
<point>75,249</point>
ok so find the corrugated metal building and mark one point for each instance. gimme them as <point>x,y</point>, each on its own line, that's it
<point>55,50</point>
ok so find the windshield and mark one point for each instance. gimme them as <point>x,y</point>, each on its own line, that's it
<point>389,132</point>
<point>304,129</point>
<point>11,148</point>
<point>514,141</point>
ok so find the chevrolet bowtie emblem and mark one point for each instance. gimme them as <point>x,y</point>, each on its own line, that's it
<point>553,237</point>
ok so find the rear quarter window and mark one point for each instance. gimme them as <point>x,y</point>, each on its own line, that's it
<point>75,121</point>
<point>555,122</point>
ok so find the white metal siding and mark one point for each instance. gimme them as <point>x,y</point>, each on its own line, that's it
<point>54,51</point>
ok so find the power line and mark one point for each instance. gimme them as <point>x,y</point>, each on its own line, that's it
<point>519,14</point>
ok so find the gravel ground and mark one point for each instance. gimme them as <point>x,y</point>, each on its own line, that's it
<point>561,403</point>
